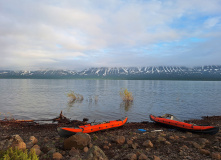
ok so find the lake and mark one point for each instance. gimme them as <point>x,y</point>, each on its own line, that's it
<point>45,98</point>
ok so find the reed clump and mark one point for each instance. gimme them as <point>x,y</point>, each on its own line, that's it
<point>126,95</point>
<point>75,97</point>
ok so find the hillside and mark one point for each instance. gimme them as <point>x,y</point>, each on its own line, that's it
<point>149,73</point>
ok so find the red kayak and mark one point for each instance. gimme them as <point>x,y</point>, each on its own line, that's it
<point>172,121</point>
<point>89,128</point>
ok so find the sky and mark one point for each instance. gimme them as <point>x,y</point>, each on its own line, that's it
<point>74,35</point>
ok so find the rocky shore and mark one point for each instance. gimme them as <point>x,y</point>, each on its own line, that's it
<point>124,143</point>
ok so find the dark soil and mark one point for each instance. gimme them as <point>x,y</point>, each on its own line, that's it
<point>175,144</point>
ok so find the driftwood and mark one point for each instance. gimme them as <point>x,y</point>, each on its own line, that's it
<point>14,121</point>
<point>61,119</point>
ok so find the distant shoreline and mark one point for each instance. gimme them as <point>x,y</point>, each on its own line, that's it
<point>203,73</point>
<point>73,78</point>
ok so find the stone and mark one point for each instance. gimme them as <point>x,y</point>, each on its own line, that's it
<point>204,151</point>
<point>176,137</point>
<point>171,137</point>
<point>95,153</point>
<point>85,149</point>
<point>47,147</point>
<point>78,141</point>
<point>162,134</point>
<point>57,156</point>
<point>196,145</point>
<point>90,145</point>
<point>74,152</point>
<point>50,152</point>
<point>36,147</point>
<point>181,153</point>
<point>120,140</point>
<point>37,151</point>
<point>46,139</point>
<point>76,157</point>
<point>21,145</point>
<point>33,140</point>
<point>135,145</point>
<point>14,141</point>
<point>129,142</point>
<point>148,144</point>
<point>143,157</point>
<point>184,137</point>
<point>184,147</point>
<point>131,156</point>
<point>216,155</point>
<point>161,139</point>
<point>203,141</point>
<point>167,142</point>
<point>156,158</point>
<point>17,138</point>
<point>106,147</point>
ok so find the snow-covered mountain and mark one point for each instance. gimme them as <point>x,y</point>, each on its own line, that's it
<point>212,72</point>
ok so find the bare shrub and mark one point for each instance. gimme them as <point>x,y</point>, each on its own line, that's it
<point>126,95</point>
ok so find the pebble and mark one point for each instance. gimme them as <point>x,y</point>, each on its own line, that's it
<point>204,151</point>
<point>216,155</point>
<point>57,156</point>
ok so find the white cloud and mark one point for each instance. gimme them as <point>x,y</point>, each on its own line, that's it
<point>211,22</point>
<point>111,32</point>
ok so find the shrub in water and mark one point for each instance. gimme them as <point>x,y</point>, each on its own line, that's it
<point>126,95</point>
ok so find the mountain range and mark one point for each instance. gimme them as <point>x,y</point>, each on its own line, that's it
<point>209,72</point>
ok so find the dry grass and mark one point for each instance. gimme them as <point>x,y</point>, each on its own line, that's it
<point>74,97</point>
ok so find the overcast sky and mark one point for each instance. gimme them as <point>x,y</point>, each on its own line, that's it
<point>79,34</point>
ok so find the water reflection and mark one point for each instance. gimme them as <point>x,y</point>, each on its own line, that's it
<point>126,105</point>
<point>74,104</point>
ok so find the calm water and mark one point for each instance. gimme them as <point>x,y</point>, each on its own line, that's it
<point>43,99</point>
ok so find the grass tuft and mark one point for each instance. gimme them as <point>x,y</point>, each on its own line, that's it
<point>17,154</point>
<point>74,97</point>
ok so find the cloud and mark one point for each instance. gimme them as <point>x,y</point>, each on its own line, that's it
<point>74,34</point>
<point>211,22</point>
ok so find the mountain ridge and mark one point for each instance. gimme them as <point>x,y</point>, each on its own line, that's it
<point>207,72</point>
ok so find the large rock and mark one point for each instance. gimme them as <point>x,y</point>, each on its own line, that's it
<point>36,149</point>
<point>95,153</point>
<point>32,142</point>
<point>14,141</point>
<point>78,141</point>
